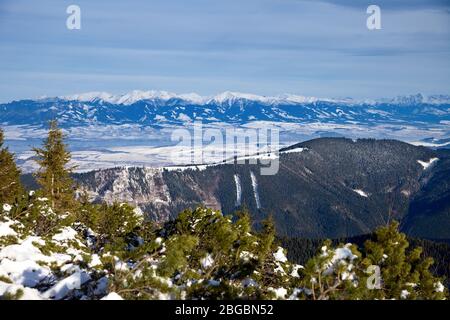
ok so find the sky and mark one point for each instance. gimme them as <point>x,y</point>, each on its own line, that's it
<point>269,47</point>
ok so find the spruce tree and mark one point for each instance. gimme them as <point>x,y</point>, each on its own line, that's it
<point>54,175</point>
<point>10,186</point>
<point>405,274</point>
<point>267,236</point>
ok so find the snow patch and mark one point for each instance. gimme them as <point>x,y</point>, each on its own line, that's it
<point>65,286</point>
<point>255,189</point>
<point>439,287</point>
<point>6,230</point>
<point>6,207</point>
<point>280,293</point>
<point>112,296</point>
<point>66,234</point>
<point>279,255</point>
<point>404,294</point>
<point>361,193</point>
<point>207,261</point>
<point>427,164</point>
<point>237,182</point>
<point>295,150</point>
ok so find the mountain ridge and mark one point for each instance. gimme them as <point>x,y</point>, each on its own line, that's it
<point>327,187</point>
<point>226,96</point>
<point>167,109</point>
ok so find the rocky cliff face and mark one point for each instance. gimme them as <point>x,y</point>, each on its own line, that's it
<point>152,189</point>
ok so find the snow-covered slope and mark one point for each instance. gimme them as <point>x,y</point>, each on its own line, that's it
<point>231,97</point>
<point>155,108</point>
<point>59,267</point>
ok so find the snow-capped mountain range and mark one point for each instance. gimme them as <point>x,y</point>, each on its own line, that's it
<point>221,98</point>
<point>155,108</point>
<point>231,97</point>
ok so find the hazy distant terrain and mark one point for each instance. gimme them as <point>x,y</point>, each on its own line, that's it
<point>134,129</point>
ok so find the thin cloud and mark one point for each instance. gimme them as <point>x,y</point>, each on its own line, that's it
<point>391,4</point>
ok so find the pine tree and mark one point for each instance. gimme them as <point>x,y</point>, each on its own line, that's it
<point>10,186</point>
<point>404,273</point>
<point>54,175</point>
<point>115,224</point>
<point>332,273</point>
<point>267,236</point>
<point>205,255</point>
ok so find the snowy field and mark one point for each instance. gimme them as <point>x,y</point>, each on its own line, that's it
<point>95,147</point>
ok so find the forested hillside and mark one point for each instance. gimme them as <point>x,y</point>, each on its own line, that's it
<point>328,187</point>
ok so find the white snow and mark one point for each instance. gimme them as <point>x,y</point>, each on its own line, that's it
<point>27,273</point>
<point>341,256</point>
<point>138,212</point>
<point>237,182</point>
<point>343,253</point>
<point>65,286</point>
<point>12,288</point>
<point>280,293</point>
<point>255,189</point>
<point>101,286</point>
<point>207,261</point>
<point>279,255</point>
<point>246,255</point>
<point>25,251</point>
<point>28,267</point>
<point>439,287</point>
<point>95,261</point>
<point>221,98</point>
<point>347,276</point>
<point>295,150</point>
<point>134,96</point>
<point>427,164</point>
<point>6,230</point>
<point>6,207</point>
<point>65,234</point>
<point>295,269</point>
<point>183,117</point>
<point>231,96</point>
<point>361,193</point>
<point>19,263</point>
<point>112,296</point>
<point>404,294</point>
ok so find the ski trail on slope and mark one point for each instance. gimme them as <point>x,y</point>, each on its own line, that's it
<point>237,181</point>
<point>255,189</point>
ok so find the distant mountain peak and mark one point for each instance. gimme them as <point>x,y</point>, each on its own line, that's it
<point>418,98</point>
<point>230,97</point>
<point>225,97</point>
<point>88,96</point>
<point>127,98</point>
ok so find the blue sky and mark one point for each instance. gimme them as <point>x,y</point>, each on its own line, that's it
<point>269,47</point>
